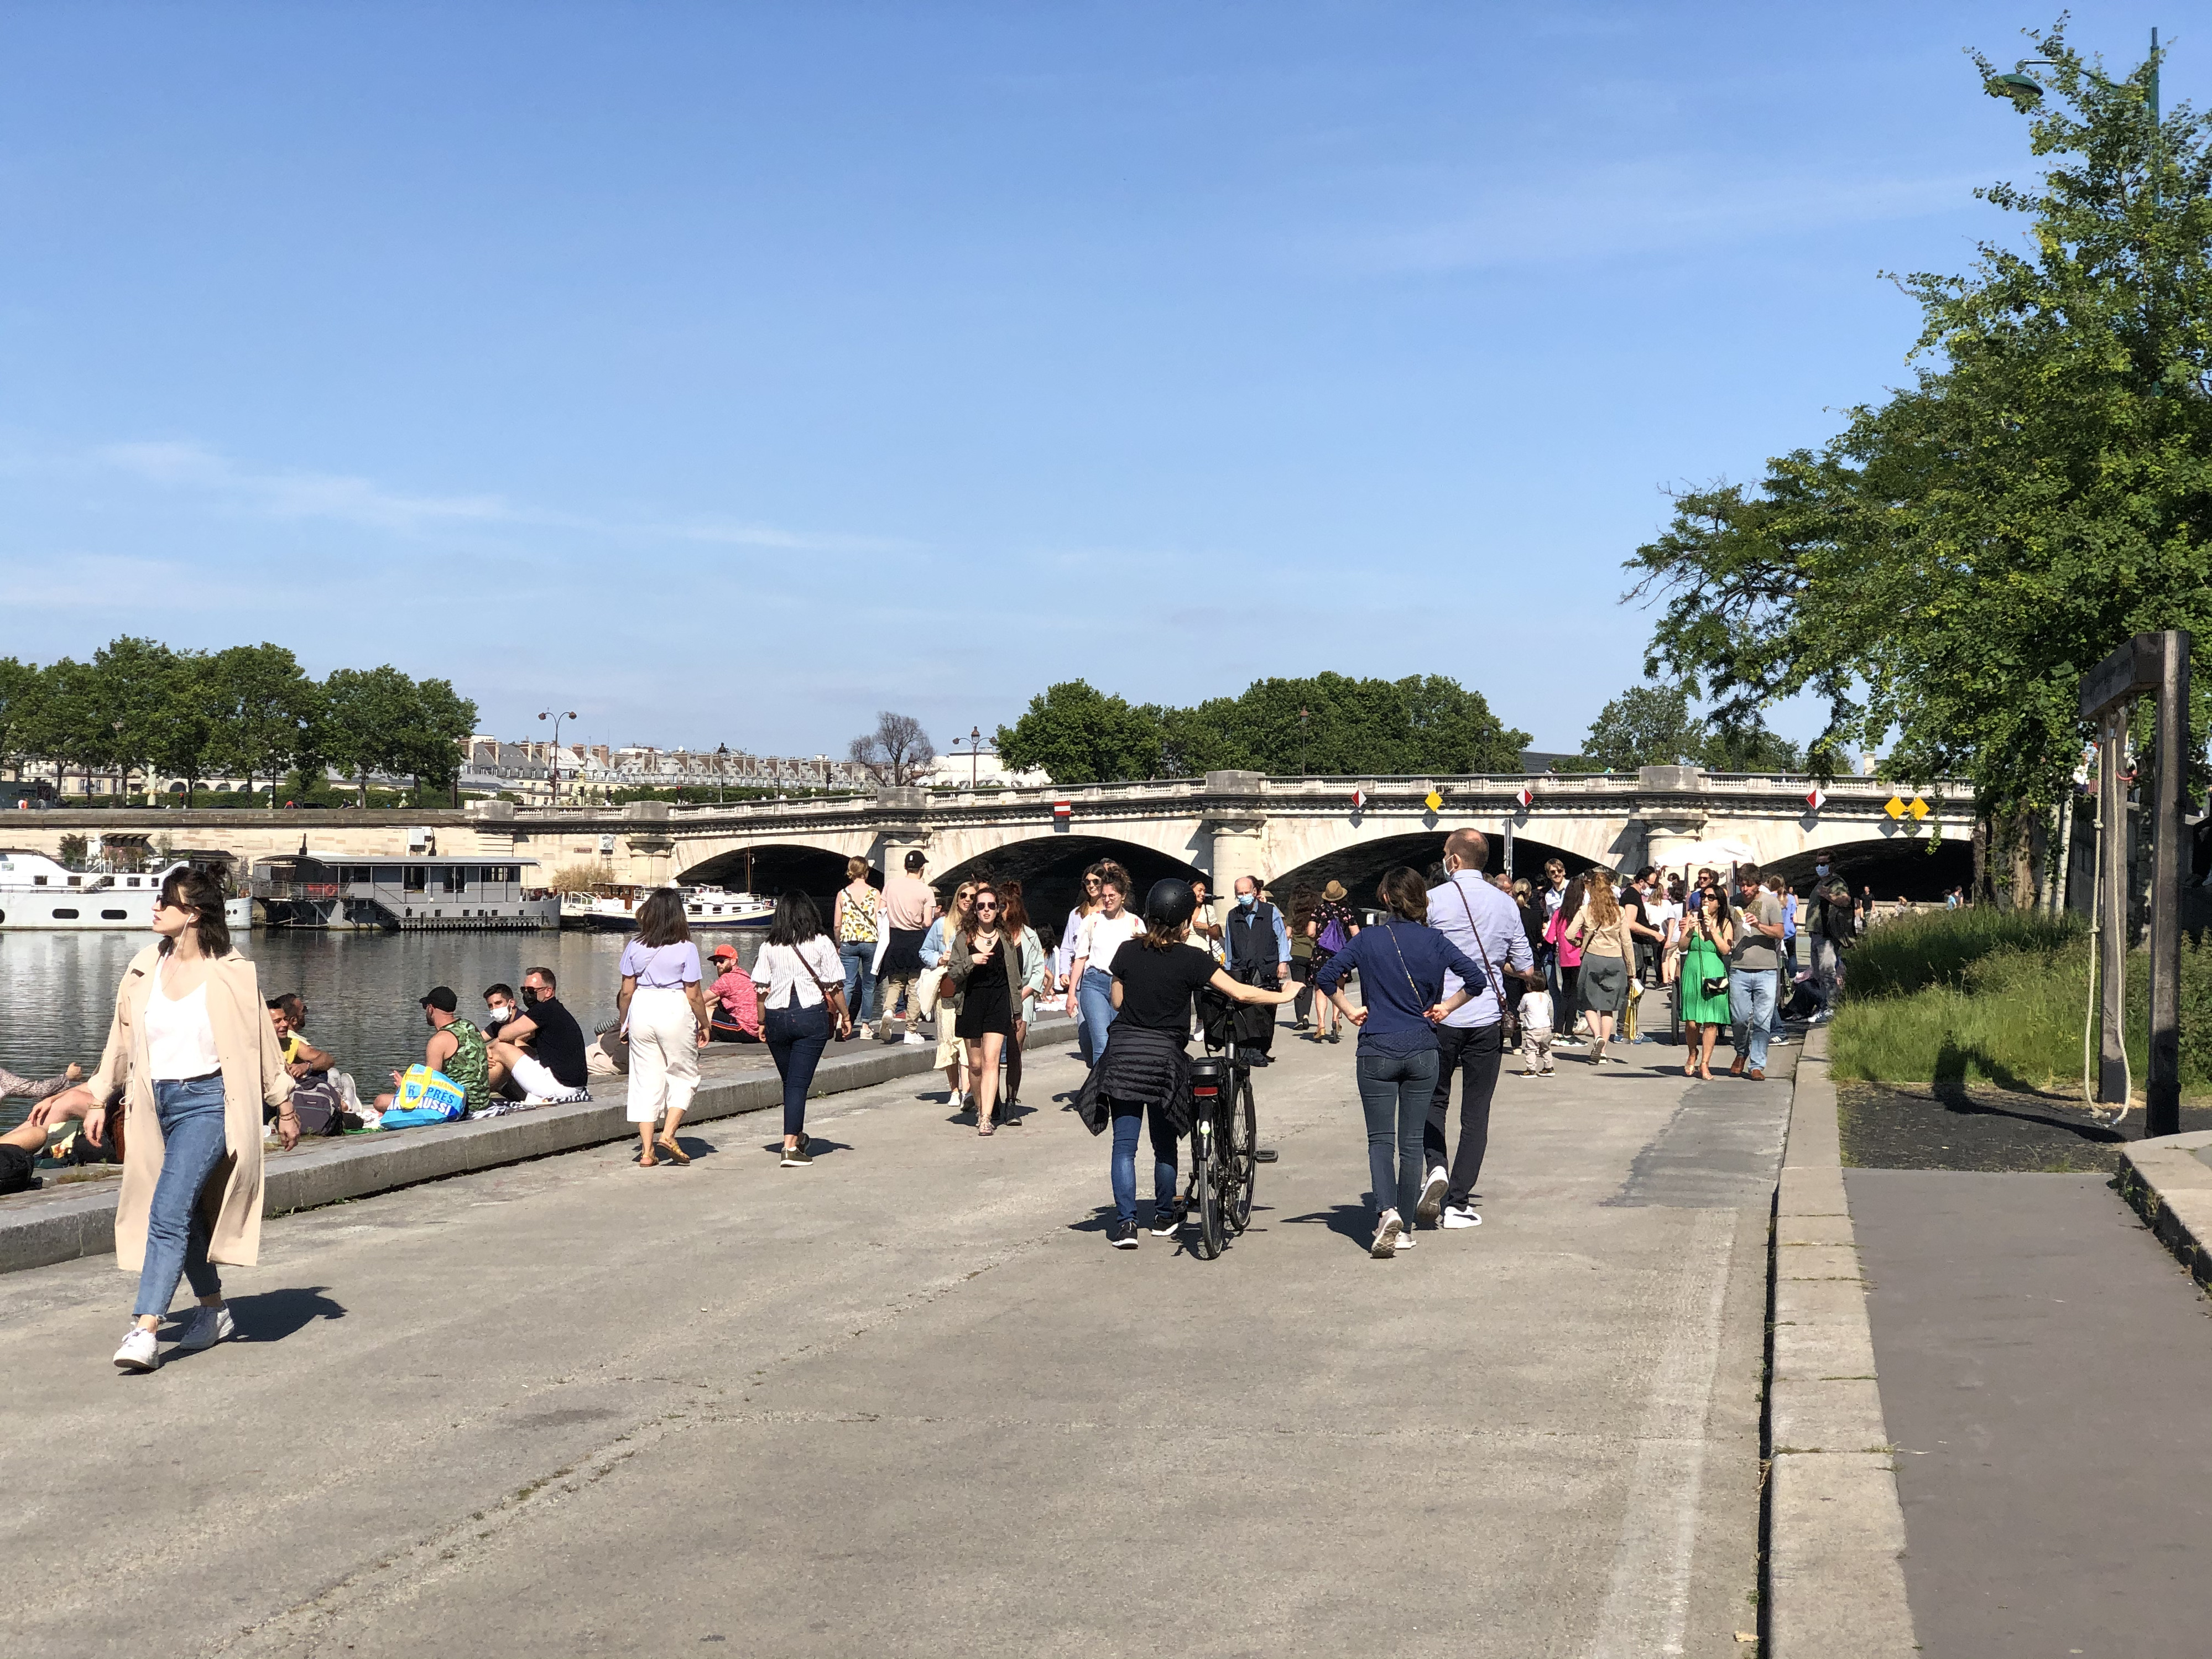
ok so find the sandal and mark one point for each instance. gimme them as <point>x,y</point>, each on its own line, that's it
<point>986,1128</point>
<point>648,1162</point>
<point>674,1151</point>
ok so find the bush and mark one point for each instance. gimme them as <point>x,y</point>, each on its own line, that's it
<point>581,878</point>
<point>1910,953</point>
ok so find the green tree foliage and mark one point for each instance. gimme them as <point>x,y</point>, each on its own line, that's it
<point>268,707</point>
<point>1329,726</point>
<point>1652,726</point>
<point>1950,564</point>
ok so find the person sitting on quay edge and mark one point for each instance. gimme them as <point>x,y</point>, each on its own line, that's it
<point>22,1147</point>
<point>734,1001</point>
<point>456,1050</point>
<point>12,1084</point>
<point>552,1068</point>
<point>289,1015</point>
<point>499,1008</point>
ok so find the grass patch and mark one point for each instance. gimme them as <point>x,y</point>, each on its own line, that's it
<point>1983,996</point>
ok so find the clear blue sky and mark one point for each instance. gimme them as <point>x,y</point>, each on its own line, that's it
<point>729,373</point>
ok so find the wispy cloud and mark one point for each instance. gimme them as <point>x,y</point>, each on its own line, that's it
<point>347,498</point>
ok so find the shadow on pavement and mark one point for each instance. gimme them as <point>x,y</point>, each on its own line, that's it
<point>1351,1221</point>
<point>272,1315</point>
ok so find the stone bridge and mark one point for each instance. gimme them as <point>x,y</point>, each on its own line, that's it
<point>1289,830</point>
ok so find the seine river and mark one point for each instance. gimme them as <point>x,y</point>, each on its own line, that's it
<point>58,990</point>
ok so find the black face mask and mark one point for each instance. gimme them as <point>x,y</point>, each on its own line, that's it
<point>531,996</point>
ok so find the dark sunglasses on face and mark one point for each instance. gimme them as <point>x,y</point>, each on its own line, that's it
<point>987,904</point>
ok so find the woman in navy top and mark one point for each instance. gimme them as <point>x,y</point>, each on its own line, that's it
<point>1402,967</point>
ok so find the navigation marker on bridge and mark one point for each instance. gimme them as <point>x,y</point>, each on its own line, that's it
<point>1525,796</point>
<point>1359,799</point>
<point>1061,812</point>
<point>1433,800</point>
<point>1816,799</point>
<point>1894,807</point>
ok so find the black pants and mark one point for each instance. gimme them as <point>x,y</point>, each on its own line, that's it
<point>1474,1052</point>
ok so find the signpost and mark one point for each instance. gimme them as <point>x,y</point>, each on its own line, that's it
<point>2148,663</point>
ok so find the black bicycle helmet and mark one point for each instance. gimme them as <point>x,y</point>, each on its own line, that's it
<point>1171,903</point>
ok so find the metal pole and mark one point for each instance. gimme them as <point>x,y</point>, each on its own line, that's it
<point>1509,849</point>
<point>2162,1093</point>
<point>2112,901</point>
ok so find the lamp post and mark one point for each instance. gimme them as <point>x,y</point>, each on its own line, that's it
<point>823,761</point>
<point>122,767</point>
<point>1301,743</point>
<point>721,769</point>
<point>975,743</point>
<point>548,714</point>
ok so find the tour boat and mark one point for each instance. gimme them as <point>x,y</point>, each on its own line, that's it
<point>36,892</point>
<point>616,907</point>
<point>418,892</point>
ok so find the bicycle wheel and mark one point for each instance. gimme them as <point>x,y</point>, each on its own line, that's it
<point>1207,1189</point>
<point>1244,1166</point>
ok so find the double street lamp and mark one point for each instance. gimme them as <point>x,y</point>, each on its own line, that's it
<point>548,714</point>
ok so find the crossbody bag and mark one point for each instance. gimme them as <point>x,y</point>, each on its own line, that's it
<point>1509,1016</point>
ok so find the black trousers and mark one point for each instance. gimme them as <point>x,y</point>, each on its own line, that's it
<point>1474,1052</point>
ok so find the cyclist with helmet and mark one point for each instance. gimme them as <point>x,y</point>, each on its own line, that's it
<point>1143,1074</point>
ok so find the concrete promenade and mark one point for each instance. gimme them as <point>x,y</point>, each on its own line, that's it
<point>907,1402</point>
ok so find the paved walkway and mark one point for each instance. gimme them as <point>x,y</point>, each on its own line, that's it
<point>907,1402</point>
<point>2044,1366</point>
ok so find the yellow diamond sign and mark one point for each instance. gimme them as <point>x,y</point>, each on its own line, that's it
<point>1433,801</point>
<point>1919,809</point>
<point>1894,807</point>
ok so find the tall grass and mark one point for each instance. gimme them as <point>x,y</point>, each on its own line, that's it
<point>1988,996</point>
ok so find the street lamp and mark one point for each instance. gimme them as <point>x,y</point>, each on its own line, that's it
<point>823,761</point>
<point>721,769</point>
<point>975,743</point>
<point>548,714</point>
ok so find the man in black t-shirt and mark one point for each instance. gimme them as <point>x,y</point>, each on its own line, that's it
<point>556,1052</point>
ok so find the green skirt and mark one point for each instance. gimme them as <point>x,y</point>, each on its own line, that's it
<point>1699,964</point>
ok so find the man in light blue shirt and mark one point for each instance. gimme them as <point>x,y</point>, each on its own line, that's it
<point>1485,923</point>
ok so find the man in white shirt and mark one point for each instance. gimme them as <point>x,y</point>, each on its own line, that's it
<point>1486,925</point>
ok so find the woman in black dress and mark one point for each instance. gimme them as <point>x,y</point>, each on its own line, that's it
<point>982,965</point>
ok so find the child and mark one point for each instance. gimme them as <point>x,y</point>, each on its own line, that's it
<point>1535,1025</point>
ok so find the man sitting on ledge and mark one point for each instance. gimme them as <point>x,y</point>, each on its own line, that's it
<point>456,1048</point>
<point>551,1069</point>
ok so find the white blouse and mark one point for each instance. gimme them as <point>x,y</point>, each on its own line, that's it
<point>1102,935</point>
<point>781,970</point>
<point>179,1041</point>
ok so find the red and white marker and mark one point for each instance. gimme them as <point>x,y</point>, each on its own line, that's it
<point>1062,809</point>
<point>1359,798</point>
<point>1816,800</point>
<point>1526,797</point>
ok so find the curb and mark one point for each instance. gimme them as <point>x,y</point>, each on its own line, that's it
<point>2169,1182</point>
<point>69,1224</point>
<point>1835,1530</point>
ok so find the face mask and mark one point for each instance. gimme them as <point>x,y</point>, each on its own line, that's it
<point>499,1013</point>
<point>1248,900</point>
<point>531,995</point>
<point>1819,869</point>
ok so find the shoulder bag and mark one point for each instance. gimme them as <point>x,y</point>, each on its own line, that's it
<point>1711,987</point>
<point>1509,1016</point>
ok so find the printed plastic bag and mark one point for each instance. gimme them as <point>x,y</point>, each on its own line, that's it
<point>424,1097</point>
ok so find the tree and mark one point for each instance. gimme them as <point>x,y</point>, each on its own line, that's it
<point>69,722</point>
<point>267,705</point>
<point>19,698</point>
<point>896,752</point>
<point>427,745</point>
<point>1950,564</point>
<point>1652,726</point>
<point>1076,734</point>
<point>364,712</point>
<point>1335,725</point>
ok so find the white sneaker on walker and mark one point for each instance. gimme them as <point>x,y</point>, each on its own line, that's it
<point>139,1352</point>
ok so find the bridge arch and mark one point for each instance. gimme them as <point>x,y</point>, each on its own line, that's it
<point>1050,869</point>
<point>773,867</point>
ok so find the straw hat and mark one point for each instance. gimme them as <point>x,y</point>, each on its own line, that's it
<point>1334,892</point>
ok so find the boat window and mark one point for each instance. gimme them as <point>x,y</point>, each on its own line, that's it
<point>415,877</point>
<point>453,877</point>
<point>115,916</point>
<point>131,882</point>
<point>38,881</point>
<point>65,915</point>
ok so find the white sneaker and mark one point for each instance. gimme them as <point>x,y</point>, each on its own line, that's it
<point>138,1353</point>
<point>1406,1240</point>
<point>867,1032</point>
<point>1462,1215</point>
<point>1386,1236</point>
<point>206,1327</point>
<point>914,1039</point>
<point>1432,1194</point>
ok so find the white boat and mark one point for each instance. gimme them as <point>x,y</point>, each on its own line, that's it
<point>616,907</point>
<point>36,892</point>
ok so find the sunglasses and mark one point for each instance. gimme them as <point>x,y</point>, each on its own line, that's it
<point>987,904</point>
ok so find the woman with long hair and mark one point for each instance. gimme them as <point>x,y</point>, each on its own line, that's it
<point>1090,981</point>
<point>1143,1074</point>
<point>941,999</point>
<point>983,966</point>
<point>1071,942</point>
<point>1401,963</point>
<point>1036,976</point>
<point>857,921</point>
<point>663,1010</point>
<point>1567,1003</point>
<point>191,1050</point>
<point>802,993</point>
<point>1710,936</point>
<point>1599,931</point>
<point>1303,901</point>
<point>1333,925</point>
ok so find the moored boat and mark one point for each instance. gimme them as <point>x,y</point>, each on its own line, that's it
<point>38,894</point>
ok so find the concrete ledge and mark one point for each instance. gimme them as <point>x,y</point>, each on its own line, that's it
<point>62,1223</point>
<point>1835,1531</point>
<point>2169,1181</point>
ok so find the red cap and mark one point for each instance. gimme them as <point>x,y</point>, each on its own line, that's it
<point>721,950</point>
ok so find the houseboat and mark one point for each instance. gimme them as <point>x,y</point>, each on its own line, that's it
<point>36,892</point>
<point>418,893</point>
<point>616,908</point>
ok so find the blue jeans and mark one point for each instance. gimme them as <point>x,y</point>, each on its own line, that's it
<point>193,1147</point>
<point>1093,999</point>
<point>1127,1115</point>
<point>796,1037</point>
<point>1750,1005</point>
<point>1396,1089</point>
<point>858,959</point>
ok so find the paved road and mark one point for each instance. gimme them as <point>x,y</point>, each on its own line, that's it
<point>907,1402</point>
<point>2043,1364</point>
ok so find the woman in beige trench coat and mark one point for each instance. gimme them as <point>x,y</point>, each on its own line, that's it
<point>194,1055</point>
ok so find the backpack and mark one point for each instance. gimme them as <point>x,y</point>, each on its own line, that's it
<point>1332,937</point>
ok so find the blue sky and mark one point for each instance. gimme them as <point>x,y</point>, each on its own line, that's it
<point>729,373</point>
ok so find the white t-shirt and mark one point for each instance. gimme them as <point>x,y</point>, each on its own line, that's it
<point>1664,913</point>
<point>179,1041</point>
<point>1102,935</point>
<point>1535,1010</point>
<point>781,970</point>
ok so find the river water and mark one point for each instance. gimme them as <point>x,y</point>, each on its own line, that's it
<point>58,990</point>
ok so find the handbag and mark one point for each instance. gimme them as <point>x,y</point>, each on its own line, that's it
<point>1712,989</point>
<point>1333,938</point>
<point>1508,1016</point>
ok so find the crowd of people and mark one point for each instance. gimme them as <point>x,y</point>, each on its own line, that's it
<point>1455,969</point>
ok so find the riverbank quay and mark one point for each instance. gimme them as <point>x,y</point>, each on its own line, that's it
<point>907,1402</point>
<point>2169,1183</point>
<point>63,1221</point>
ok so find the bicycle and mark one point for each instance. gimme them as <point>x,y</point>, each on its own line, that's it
<point>1225,1163</point>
